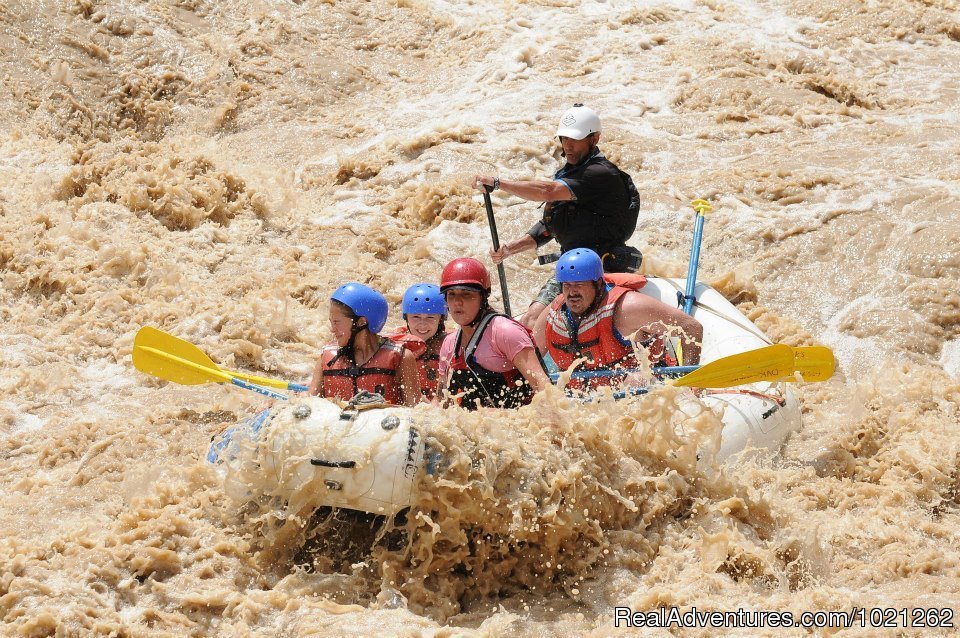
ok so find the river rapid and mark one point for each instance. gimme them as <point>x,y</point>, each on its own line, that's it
<point>216,168</point>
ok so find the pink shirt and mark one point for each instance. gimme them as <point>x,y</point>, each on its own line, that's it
<point>502,340</point>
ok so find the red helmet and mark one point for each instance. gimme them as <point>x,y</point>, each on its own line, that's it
<point>467,272</point>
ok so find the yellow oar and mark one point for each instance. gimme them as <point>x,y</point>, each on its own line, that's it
<point>771,363</point>
<point>173,368</point>
<point>163,355</point>
<point>172,359</point>
<point>170,367</point>
<point>814,363</point>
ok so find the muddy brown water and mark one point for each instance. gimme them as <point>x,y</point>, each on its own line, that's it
<point>215,169</point>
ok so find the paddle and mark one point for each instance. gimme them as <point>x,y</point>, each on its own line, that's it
<point>496,246</point>
<point>771,363</point>
<point>172,368</point>
<point>702,207</point>
<point>622,372</point>
<point>167,357</point>
<point>814,363</point>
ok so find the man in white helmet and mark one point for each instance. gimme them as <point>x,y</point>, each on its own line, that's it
<point>590,203</point>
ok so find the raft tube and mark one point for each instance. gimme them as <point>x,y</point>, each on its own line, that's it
<point>365,460</point>
<point>758,416</point>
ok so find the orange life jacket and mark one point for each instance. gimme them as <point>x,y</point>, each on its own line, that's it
<point>596,336</point>
<point>427,354</point>
<point>343,378</point>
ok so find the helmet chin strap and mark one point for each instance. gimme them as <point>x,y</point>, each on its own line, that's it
<point>350,349</point>
<point>439,335</point>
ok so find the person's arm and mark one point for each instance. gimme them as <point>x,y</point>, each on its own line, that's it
<point>511,342</point>
<point>637,311</point>
<point>540,332</point>
<point>409,379</point>
<point>518,245</point>
<point>529,366</point>
<point>316,382</point>
<point>534,190</point>
<point>443,374</point>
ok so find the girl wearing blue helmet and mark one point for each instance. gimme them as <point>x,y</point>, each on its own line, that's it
<point>424,310</point>
<point>360,359</point>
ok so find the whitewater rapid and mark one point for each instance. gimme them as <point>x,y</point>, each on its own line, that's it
<point>215,169</point>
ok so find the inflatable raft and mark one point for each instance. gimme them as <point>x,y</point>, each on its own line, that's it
<point>369,459</point>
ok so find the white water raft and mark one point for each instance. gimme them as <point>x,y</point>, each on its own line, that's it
<point>369,460</point>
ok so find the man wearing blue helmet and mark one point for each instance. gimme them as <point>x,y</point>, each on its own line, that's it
<point>598,316</point>
<point>361,359</point>
<point>424,310</point>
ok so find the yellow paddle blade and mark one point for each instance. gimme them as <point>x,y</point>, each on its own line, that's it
<point>764,364</point>
<point>161,343</point>
<point>165,343</point>
<point>173,368</point>
<point>814,363</point>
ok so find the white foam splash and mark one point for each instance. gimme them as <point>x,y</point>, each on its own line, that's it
<point>950,358</point>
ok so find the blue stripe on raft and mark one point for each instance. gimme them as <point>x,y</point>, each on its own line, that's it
<point>227,444</point>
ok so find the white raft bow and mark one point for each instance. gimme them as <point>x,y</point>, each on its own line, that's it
<point>366,459</point>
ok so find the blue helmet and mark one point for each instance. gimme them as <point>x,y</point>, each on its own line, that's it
<point>579,264</point>
<point>424,299</point>
<point>365,302</point>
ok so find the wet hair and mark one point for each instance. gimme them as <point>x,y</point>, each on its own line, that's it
<point>441,329</point>
<point>349,350</point>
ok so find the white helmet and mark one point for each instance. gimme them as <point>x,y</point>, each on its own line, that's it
<point>578,122</point>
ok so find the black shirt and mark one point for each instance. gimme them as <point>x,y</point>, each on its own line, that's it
<point>603,213</point>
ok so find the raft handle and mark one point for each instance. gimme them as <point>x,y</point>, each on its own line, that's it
<point>323,463</point>
<point>769,413</point>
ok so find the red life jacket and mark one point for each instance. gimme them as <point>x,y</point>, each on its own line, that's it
<point>343,378</point>
<point>428,357</point>
<point>596,336</point>
<point>483,387</point>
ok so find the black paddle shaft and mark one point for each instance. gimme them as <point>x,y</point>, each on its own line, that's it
<point>496,246</point>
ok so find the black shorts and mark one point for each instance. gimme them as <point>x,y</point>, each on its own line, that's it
<point>549,292</point>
